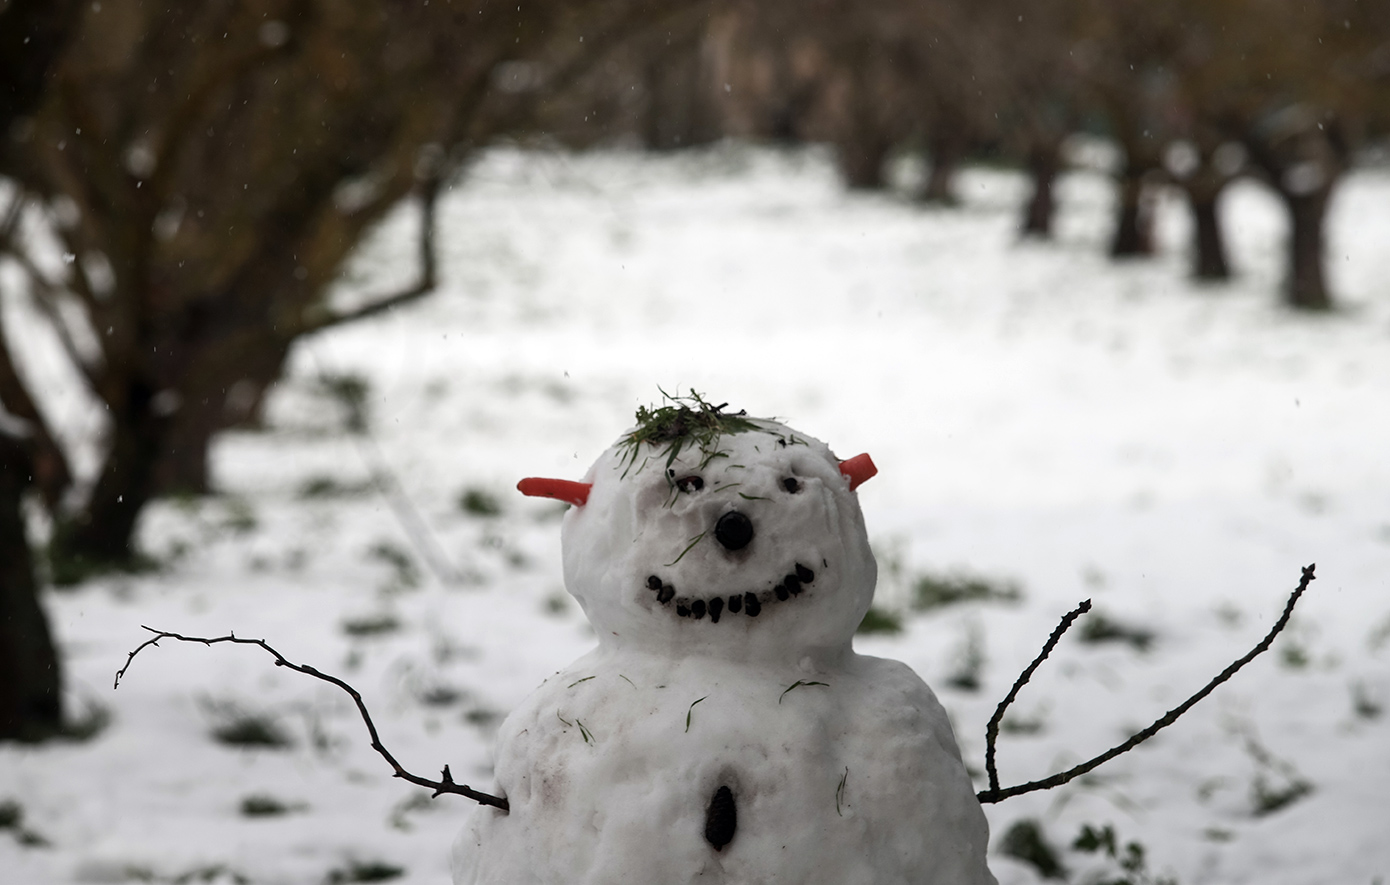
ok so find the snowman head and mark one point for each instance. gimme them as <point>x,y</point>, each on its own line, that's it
<point>700,532</point>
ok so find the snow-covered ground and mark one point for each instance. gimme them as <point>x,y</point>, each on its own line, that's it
<point>1039,415</point>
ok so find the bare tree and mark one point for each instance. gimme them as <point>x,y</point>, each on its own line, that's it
<point>211,166</point>
<point>1034,49</point>
<point>1292,83</point>
<point>1126,46</point>
<point>33,33</point>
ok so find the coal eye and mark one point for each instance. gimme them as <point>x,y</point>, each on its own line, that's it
<point>791,485</point>
<point>690,484</point>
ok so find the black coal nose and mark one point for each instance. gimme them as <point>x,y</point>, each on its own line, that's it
<point>733,530</point>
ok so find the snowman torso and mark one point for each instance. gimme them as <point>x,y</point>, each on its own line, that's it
<point>724,731</point>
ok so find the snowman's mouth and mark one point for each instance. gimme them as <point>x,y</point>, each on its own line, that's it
<point>749,603</point>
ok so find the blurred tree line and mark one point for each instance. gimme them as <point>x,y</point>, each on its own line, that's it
<point>181,183</point>
<point>1192,93</point>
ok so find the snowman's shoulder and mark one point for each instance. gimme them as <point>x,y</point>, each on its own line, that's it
<point>596,681</point>
<point>559,679</point>
<point>891,694</point>
<point>887,678</point>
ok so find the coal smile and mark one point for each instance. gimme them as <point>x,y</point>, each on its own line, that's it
<point>751,604</point>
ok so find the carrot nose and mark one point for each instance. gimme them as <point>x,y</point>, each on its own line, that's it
<point>858,469</point>
<point>576,493</point>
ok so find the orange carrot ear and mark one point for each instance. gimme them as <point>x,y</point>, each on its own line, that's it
<point>858,469</point>
<point>576,493</point>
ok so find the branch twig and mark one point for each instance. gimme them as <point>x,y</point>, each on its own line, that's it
<point>428,279</point>
<point>992,730</point>
<point>444,785</point>
<point>45,294</point>
<point>994,794</point>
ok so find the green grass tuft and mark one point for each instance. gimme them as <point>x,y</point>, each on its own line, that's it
<point>685,421</point>
<point>365,871</point>
<point>350,391</point>
<point>1099,627</point>
<point>236,727</point>
<point>262,805</point>
<point>373,625</point>
<point>480,502</point>
<point>1266,797</point>
<point>324,487</point>
<point>1026,842</point>
<point>938,591</point>
<point>1131,858</point>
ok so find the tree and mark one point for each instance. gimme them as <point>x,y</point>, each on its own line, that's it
<point>211,166</point>
<point>1127,47</point>
<point>30,671</point>
<point>33,33</point>
<point>1203,166</point>
<point>1038,59</point>
<point>1292,83</point>
<point>956,83</point>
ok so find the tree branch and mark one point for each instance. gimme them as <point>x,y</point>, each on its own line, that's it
<point>186,114</point>
<point>444,785</point>
<point>44,291</point>
<point>994,794</point>
<point>52,473</point>
<point>628,24</point>
<point>429,197</point>
<point>81,283</point>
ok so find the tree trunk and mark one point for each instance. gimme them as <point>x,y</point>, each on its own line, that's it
<point>1307,286</point>
<point>861,160</point>
<point>1302,162</point>
<point>947,149</point>
<point>102,536</point>
<point>228,391</point>
<point>677,113</point>
<point>1208,242</point>
<point>1133,225</point>
<point>183,467</point>
<point>47,460</point>
<point>1044,162</point>
<point>30,675</point>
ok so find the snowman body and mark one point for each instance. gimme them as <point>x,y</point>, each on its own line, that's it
<point>724,731</point>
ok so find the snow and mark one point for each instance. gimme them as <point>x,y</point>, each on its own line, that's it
<point>1038,414</point>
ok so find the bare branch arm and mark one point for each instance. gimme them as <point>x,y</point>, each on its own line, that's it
<point>444,785</point>
<point>992,730</point>
<point>994,794</point>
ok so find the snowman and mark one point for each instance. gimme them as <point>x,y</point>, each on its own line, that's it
<point>724,730</point>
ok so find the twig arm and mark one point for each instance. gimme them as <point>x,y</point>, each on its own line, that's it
<point>446,782</point>
<point>994,794</point>
<point>992,730</point>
